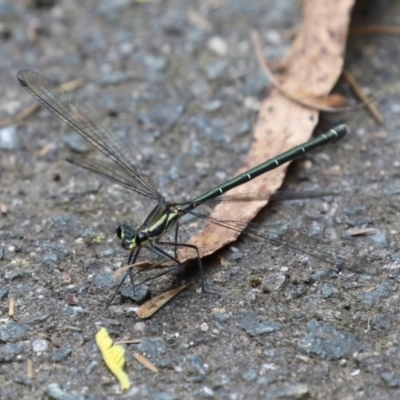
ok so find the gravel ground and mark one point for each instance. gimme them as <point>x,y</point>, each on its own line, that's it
<point>185,95</point>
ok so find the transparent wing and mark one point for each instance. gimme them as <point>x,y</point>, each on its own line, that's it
<point>90,126</point>
<point>298,242</point>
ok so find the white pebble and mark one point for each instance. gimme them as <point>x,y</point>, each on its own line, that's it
<point>204,327</point>
<point>218,46</point>
<point>139,327</point>
<point>40,345</point>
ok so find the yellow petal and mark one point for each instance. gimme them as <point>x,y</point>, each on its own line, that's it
<point>113,356</point>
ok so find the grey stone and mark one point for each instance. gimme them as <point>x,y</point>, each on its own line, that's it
<point>297,292</point>
<point>375,296</point>
<point>328,342</point>
<point>200,88</point>
<point>214,129</point>
<point>222,317</point>
<point>196,364</point>
<point>243,128</point>
<point>106,7</point>
<point>319,275</point>
<point>391,379</point>
<point>273,282</point>
<point>38,320</point>
<point>104,280</point>
<point>155,63</point>
<point>13,332</point>
<point>254,85</point>
<point>8,138</point>
<point>114,78</point>
<point>60,354</point>
<point>12,273</point>
<point>216,69</point>
<point>295,392</point>
<point>392,188</point>
<point>9,352</point>
<point>75,142</point>
<point>107,252</point>
<point>328,290</point>
<point>256,326</point>
<point>212,105</point>
<point>249,375</point>
<point>3,293</point>
<point>396,256</point>
<point>164,396</point>
<point>50,259</point>
<point>139,295</point>
<point>153,347</point>
<point>54,391</point>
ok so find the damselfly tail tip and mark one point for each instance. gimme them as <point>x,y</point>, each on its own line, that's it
<point>341,130</point>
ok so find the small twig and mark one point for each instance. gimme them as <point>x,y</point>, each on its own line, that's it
<point>196,19</point>
<point>362,96</point>
<point>29,369</point>
<point>130,341</point>
<point>303,102</point>
<point>362,231</point>
<point>145,362</point>
<point>11,309</point>
<point>27,112</point>
<point>374,30</point>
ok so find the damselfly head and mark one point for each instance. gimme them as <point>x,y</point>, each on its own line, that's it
<point>127,235</point>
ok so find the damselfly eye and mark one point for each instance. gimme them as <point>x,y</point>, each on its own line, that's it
<point>120,232</point>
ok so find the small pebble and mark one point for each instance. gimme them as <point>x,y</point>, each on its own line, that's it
<point>218,46</point>
<point>295,392</point>
<point>8,138</point>
<point>208,392</point>
<point>60,354</point>
<point>139,327</point>
<point>76,143</point>
<point>204,327</point>
<point>54,391</point>
<point>249,375</point>
<point>9,352</point>
<point>40,345</point>
<point>104,280</point>
<point>13,332</point>
<point>256,326</point>
<point>139,295</point>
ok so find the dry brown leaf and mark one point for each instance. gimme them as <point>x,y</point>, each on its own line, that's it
<point>145,362</point>
<point>309,100</point>
<point>154,304</point>
<point>313,65</point>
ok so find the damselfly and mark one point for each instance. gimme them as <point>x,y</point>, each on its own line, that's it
<point>127,173</point>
